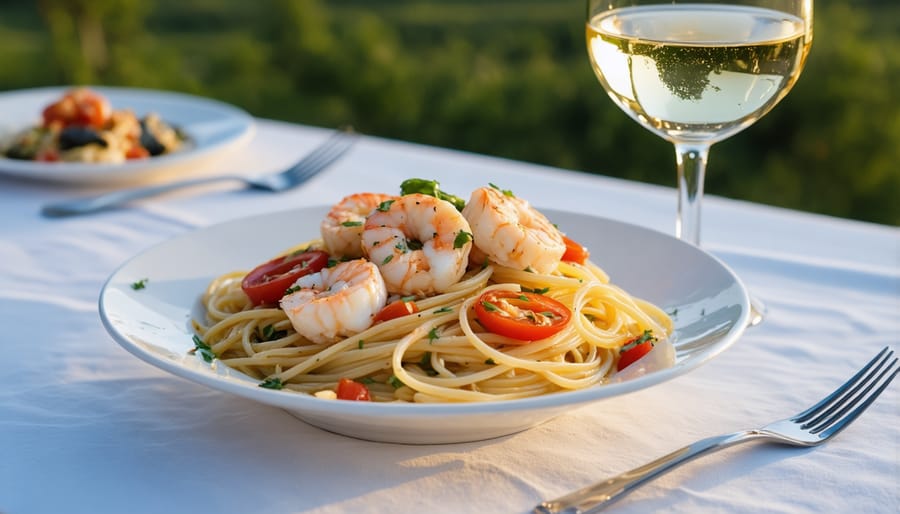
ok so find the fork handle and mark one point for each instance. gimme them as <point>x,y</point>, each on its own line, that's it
<point>96,203</point>
<point>594,497</point>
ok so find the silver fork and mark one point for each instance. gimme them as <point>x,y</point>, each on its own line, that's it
<point>811,427</point>
<point>317,160</point>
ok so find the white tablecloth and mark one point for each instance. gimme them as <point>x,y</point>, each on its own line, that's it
<point>86,427</point>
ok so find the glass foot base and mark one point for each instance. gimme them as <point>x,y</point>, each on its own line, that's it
<point>758,311</point>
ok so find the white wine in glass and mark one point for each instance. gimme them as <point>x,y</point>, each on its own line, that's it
<point>697,72</point>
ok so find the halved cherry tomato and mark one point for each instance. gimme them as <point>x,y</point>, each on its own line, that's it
<point>78,107</point>
<point>49,155</point>
<point>396,310</point>
<point>267,283</point>
<point>575,252</point>
<point>351,390</point>
<point>522,316</point>
<point>137,152</point>
<point>634,350</point>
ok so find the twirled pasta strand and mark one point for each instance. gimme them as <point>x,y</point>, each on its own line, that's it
<point>441,353</point>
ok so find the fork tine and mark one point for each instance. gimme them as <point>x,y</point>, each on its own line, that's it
<point>837,424</point>
<point>336,137</point>
<point>335,146</point>
<point>883,368</point>
<point>808,413</point>
<point>846,401</point>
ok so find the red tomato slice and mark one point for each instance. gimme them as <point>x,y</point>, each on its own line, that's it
<point>522,316</point>
<point>628,356</point>
<point>350,390</point>
<point>575,252</point>
<point>137,152</point>
<point>78,107</point>
<point>267,283</point>
<point>59,112</point>
<point>50,155</point>
<point>396,310</point>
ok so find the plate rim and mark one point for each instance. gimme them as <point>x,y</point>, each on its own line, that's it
<point>314,406</point>
<point>90,173</point>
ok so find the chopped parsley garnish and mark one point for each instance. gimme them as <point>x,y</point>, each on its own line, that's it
<point>351,224</point>
<point>387,259</point>
<point>385,205</point>
<point>643,338</point>
<point>203,349</point>
<point>270,334</point>
<point>395,382</point>
<point>140,284</point>
<point>360,344</point>
<point>490,362</point>
<point>410,245</point>
<point>430,188</point>
<point>542,290</point>
<point>462,238</point>
<point>489,306</point>
<point>292,289</point>
<point>425,364</point>
<point>332,263</point>
<point>272,383</point>
<point>506,192</point>
<point>523,298</point>
<point>443,310</point>
<point>433,334</point>
<point>367,380</point>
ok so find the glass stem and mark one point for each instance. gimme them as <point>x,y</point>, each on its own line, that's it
<point>691,158</point>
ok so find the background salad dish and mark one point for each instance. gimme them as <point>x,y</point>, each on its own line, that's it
<point>82,126</point>
<point>113,136</point>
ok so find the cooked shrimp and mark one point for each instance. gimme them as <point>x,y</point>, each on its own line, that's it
<point>421,244</point>
<point>336,302</point>
<point>343,226</point>
<point>512,233</point>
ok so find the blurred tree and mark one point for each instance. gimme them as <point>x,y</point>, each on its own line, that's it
<point>83,32</point>
<point>833,145</point>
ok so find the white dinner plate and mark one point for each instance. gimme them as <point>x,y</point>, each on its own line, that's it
<point>709,302</point>
<point>212,127</point>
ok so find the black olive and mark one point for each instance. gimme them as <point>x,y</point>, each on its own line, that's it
<point>76,135</point>
<point>149,141</point>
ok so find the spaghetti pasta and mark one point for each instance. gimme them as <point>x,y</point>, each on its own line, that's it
<point>441,351</point>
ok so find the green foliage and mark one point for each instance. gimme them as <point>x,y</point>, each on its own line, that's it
<point>502,77</point>
<point>833,145</point>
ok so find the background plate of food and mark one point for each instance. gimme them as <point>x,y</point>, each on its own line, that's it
<point>105,135</point>
<point>151,303</point>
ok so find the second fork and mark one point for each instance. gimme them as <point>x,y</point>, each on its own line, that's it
<point>811,427</point>
<point>314,162</point>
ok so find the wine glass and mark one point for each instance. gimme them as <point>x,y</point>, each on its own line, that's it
<point>697,72</point>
